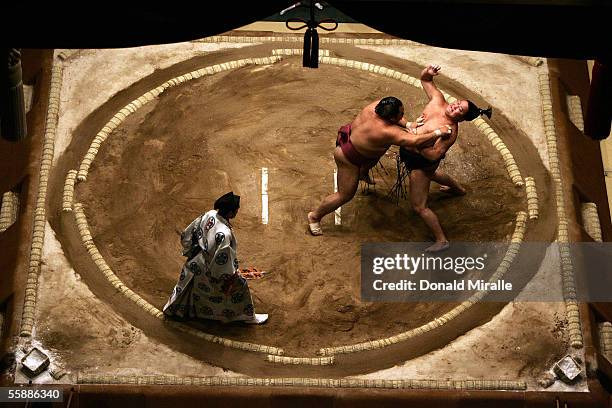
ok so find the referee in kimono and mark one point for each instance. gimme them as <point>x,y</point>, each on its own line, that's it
<point>210,285</point>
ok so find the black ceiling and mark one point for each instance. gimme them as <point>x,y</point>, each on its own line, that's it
<point>555,28</point>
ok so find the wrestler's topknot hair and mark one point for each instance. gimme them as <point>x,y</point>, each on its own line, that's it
<point>474,111</point>
<point>388,107</point>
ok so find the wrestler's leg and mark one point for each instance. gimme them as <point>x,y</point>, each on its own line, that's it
<point>447,183</point>
<point>348,180</point>
<point>419,190</point>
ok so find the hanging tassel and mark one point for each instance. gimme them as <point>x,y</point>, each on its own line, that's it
<point>307,43</point>
<point>311,48</point>
<point>314,53</point>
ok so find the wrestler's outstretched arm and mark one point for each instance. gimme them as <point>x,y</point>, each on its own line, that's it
<point>420,121</point>
<point>437,151</point>
<point>428,85</point>
<point>405,138</point>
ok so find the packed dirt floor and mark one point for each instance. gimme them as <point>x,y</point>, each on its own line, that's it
<point>167,163</point>
<point>171,160</point>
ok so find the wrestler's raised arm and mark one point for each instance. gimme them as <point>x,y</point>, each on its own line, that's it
<point>427,82</point>
<point>408,139</point>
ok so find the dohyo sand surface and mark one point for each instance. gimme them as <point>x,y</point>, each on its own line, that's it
<point>167,163</point>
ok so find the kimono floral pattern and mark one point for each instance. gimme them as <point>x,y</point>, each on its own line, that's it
<point>209,287</point>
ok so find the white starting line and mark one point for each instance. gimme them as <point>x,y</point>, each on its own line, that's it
<point>264,198</point>
<point>264,195</point>
<point>337,216</point>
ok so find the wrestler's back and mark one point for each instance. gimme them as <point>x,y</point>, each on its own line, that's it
<point>368,133</point>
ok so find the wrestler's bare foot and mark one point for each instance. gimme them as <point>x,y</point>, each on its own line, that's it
<point>454,191</point>
<point>438,246</point>
<point>314,225</point>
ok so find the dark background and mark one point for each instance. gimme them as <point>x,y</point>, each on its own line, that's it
<point>577,29</point>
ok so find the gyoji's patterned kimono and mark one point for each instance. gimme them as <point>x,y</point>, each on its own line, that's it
<point>209,286</point>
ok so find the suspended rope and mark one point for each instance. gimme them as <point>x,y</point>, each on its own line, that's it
<point>311,36</point>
